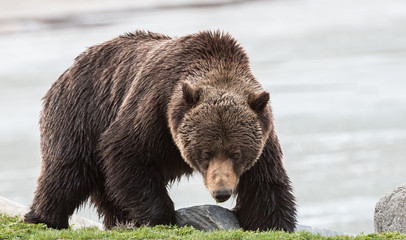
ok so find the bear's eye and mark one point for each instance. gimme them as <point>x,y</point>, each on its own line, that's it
<point>236,156</point>
<point>207,155</point>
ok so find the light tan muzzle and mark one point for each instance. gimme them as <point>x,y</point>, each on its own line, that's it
<point>221,179</point>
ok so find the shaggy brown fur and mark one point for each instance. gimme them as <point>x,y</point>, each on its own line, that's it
<point>138,112</point>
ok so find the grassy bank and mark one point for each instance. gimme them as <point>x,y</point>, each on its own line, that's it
<point>13,228</point>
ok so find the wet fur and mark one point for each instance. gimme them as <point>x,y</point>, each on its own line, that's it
<point>106,132</point>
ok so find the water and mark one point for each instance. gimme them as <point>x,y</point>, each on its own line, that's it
<point>336,72</point>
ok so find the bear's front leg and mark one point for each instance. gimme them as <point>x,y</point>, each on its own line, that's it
<point>140,193</point>
<point>133,181</point>
<point>265,200</point>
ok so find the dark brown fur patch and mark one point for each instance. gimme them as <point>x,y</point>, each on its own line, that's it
<point>190,95</point>
<point>259,101</point>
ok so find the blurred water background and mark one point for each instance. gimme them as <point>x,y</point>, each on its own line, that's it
<point>336,71</point>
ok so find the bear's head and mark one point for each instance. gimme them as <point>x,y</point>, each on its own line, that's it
<point>219,133</point>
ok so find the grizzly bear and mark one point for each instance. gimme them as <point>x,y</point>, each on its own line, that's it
<point>134,114</point>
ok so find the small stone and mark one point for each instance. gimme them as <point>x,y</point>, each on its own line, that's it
<point>12,208</point>
<point>390,212</point>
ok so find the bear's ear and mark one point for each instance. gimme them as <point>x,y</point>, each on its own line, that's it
<point>258,101</point>
<point>190,94</point>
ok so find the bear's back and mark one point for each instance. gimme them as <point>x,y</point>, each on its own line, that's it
<point>99,80</point>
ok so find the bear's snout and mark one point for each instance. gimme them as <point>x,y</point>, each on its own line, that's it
<point>222,195</point>
<point>221,179</point>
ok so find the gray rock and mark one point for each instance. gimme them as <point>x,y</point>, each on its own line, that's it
<point>211,217</point>
<point>390,212</point>
<point>12,208</point>
<point>207,217</point>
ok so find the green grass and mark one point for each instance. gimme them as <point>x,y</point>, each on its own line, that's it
<point>13,228</point>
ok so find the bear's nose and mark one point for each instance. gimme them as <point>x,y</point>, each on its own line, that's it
<point>222,195</point>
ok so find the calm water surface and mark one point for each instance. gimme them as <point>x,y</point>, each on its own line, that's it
<point>336,72</point>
